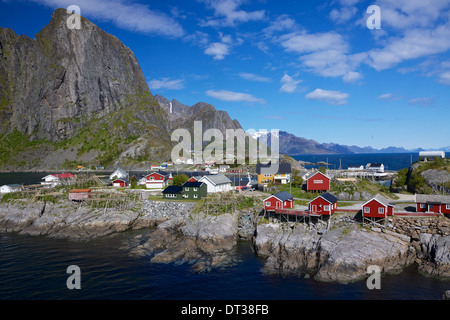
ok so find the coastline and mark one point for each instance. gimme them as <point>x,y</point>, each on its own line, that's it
<point>174,232</point>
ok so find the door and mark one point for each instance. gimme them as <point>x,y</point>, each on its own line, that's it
<point>314,208</point>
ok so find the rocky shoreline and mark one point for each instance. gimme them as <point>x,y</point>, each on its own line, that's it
<point>173,232</point>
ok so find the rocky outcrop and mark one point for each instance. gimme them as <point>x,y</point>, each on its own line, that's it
<point>435,255</point>
<point>71,220</point>
<point>204,241</point>
<point>341,254</point>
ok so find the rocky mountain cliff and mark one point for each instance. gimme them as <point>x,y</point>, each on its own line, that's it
<point>79,89</point>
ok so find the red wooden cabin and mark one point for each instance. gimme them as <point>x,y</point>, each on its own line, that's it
<point>318,182</point>
<point>433,203</point>
<point>281,200</point>
<point>378,207</point>
<point>122,182</point>
<point>325,204</point>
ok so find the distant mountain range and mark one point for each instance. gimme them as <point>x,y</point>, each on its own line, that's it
<point>292,145</point>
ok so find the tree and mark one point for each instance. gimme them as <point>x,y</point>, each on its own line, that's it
<point>133,181</point>
<point>297,181</point>
<point>179,179</point>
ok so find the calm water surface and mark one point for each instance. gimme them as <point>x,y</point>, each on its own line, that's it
<point>35,268</point>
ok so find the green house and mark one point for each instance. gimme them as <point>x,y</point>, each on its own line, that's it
<point>173,193</point>
<point>194,190</point>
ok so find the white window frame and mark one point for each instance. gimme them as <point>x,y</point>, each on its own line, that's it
<point>268,203</point>
<point>366,209</point>
<point>380,210</point>
<point>195,196</point>
<point>423,205</point>
<point>326,208</point>
<point>447,206</point>
<point>318,181</point>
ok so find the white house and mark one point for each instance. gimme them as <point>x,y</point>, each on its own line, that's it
<point>377,167</point>
<point>216,183</point>
<point>118,174</point>
<point>7,188</point>
<point>156,180</point>
<point>52,180</point>
<point>224,167</point>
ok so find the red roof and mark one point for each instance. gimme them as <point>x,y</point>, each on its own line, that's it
<point>63,175</point>
<point>80,190</point>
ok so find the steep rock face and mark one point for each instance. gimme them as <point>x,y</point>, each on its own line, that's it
<point>80,86</point>
<point>66,74</point>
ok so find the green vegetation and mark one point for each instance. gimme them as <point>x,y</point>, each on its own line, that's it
<point>414,179</point>
<point>13,143</point>
<point>179,179</point>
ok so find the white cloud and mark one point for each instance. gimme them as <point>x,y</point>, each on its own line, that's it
<point>223,48</point>
<point>166,83</point>
<point>352,76</point>
<point>233,96</point>
<point>415,43</point>
<point>422,102</point>
<point>326,54</point>
<point>332,97</point>
<point>289,84</point>
<point>226,13</point>
<point>389,97</point>
<point>343,15</point>
<point>218,50</point>
<point>254,77</point>
<point>127,15</point>
<point>408,14</point>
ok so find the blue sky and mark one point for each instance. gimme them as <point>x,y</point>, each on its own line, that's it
<point>312,68</point>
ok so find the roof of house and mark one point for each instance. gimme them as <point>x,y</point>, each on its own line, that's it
<point>217,179</point>
<point>161,173</point>
<point>173,189</point>
<point>381,200</point>
<point>432,198</point>
<point>120,171</point>
<point>122,179</point>
<point>283,196</point>
<point>196,177</point>
<point>195,184</point>
<point>375,165</point>
<point>63,175</point>
<point>311,174</point>
<point>14,185</point>
<point>329,197</point>
<point>79,190</point>
<point>276,168</point>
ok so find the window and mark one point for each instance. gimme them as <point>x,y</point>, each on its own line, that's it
<point>381,210</point>
<point>187,189</point>
<point>195,189</point>
<point>268,204</point>
<point>195,196</point>
<point>326,208</point>
<point>366,210</point>
<point>318,181</point>
<point>447,206</point>
<point>422,205</point>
